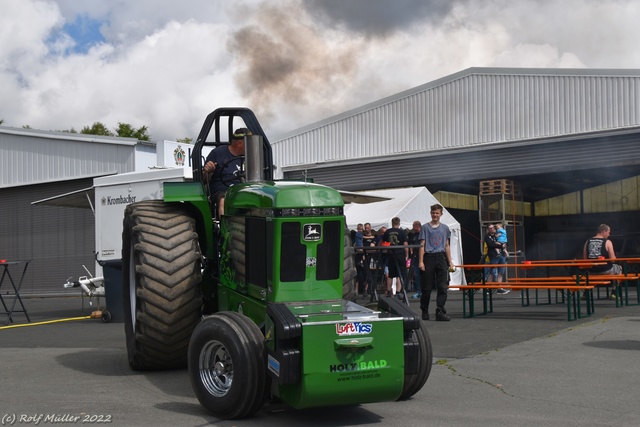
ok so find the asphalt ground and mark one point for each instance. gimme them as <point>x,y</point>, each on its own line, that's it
<point>519,366</point>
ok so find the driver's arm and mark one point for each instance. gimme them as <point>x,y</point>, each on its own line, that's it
<point>208,169</point>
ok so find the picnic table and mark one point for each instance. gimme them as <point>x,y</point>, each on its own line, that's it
<point>570,287</point>
<point>631,272</point>
<point>619,283</point>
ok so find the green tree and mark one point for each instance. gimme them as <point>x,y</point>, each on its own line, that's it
<point>185,140</point>
<point>97,129</point>
<point>125,130</point>
<point>1,121</point>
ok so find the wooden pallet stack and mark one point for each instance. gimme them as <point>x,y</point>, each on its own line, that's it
<point>500,186</point>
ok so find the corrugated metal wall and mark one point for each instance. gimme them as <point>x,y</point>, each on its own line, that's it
<point>57,240</point>
<point>35,165</point>
<point>32,157</point>
<point>554,155</point>
<point>473,108</point>
<point>618,196</point>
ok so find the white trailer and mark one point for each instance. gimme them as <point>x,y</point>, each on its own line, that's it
<point>112,195</point>
<point>108,198</point>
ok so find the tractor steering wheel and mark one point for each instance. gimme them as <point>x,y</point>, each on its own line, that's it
<point>225,165</point>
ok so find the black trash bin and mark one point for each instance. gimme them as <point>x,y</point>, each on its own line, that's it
<point>112,272</point>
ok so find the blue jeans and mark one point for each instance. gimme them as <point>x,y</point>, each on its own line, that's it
<point>495,271</point>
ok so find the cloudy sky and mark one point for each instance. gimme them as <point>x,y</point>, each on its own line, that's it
<point>166,64</point>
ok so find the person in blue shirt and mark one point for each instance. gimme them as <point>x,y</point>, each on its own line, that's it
<point>435,263</point>
<point>493,255</point>
<point>357,237</point>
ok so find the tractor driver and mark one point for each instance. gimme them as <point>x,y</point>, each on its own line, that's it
<point>223,166</point>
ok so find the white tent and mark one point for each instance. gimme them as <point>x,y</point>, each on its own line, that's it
<point>409,204</point>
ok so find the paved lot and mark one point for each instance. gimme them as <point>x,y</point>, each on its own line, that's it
<point>520,366</point>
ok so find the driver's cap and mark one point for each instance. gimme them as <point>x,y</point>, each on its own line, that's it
<point>240,133</point>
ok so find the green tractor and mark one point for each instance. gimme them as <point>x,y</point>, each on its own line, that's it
<point>259,303</point>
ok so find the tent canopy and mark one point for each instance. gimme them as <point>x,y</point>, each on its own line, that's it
<point>409,204</point>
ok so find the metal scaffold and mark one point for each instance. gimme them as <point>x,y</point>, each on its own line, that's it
<point>501,201</point>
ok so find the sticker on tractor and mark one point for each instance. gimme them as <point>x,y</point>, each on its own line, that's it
<point>354,328</point>
<point>311,262</point>
<point>358,366</point>
<point>312,232</point>
<point>274,366</point>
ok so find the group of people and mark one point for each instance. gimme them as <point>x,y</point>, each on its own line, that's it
<point>496,253</point>
<point>425,249</point>
<point>391,261</point>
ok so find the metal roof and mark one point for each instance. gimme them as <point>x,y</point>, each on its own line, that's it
<point>544,168</point>
<point>490,115</point>
<point>30,156</point>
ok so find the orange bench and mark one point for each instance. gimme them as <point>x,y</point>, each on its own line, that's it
<point>569,285</point>
<point>623,280</point>
<point>571,291</point>
<point>630,272</point>
<point>598,281</point>
<point>570,280</point>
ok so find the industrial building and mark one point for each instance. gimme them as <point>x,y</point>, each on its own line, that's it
<point>569,138</point>
<point>36,165</point>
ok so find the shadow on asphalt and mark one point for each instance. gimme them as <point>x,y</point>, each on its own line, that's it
<point>616,345</point>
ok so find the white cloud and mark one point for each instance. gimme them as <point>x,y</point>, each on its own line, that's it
<point>25,26</point>
<point>163,81</point>
<point>167,64</point>
<point>536,56</point>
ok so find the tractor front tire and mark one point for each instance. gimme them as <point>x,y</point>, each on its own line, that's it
<point>227,365</point>
<point>414,382</point>
<point>161,271</point>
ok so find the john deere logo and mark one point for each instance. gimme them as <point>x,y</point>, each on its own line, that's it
<point>312,232</point>
<point>179,156</point>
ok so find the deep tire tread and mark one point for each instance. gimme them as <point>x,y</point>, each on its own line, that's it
<point>166,259</point>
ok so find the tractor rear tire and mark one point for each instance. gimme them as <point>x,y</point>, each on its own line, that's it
<point>161,272</point>
<point>413,383</point>
<point>227,365</point>
<point>349,270</point>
